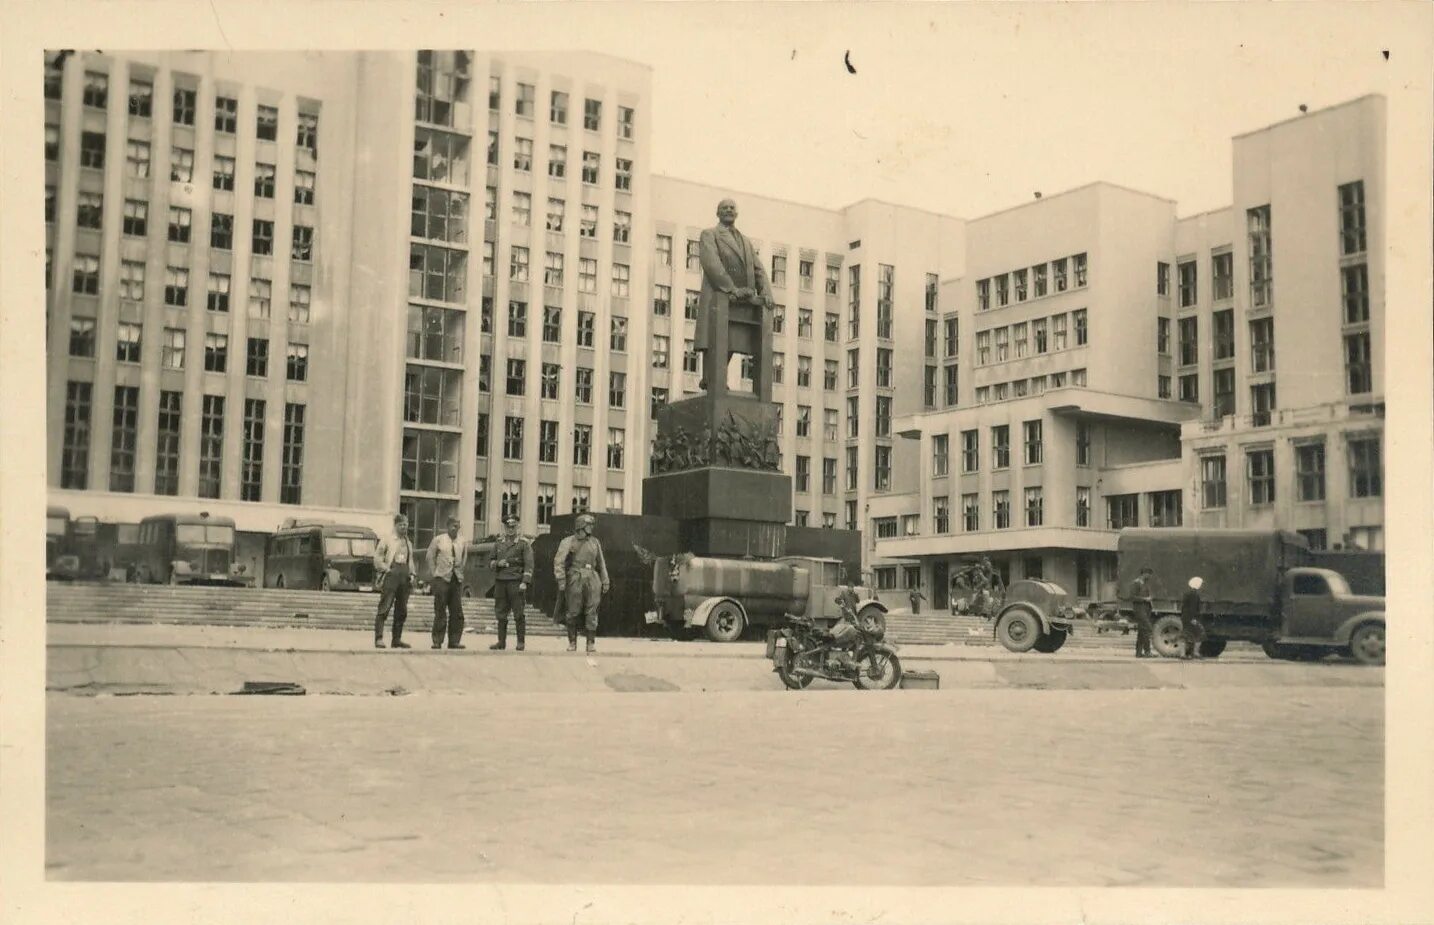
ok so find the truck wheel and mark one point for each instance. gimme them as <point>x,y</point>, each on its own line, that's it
<point>724,623</point>
<point>1166,636</point>
<point>1367,644</point>
<point>873,620</point>
<point>878,671</point>
<point>1050,642</point>
<point>1211,648</point>
<point>1019,630</point>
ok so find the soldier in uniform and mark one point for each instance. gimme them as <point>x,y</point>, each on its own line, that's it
<point>1140,606</point>
<point>1190,628</point>
<point>582,577</point>
<point>512,564</point>
<point>393,565</point>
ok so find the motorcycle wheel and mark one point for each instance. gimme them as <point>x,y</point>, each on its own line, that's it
<point>793,682</point>
<point>884,665</point>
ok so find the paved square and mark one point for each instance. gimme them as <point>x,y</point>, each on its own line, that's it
<point>1228,787</point>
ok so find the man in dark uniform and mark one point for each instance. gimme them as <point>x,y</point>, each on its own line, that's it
<point>916,597</point>
<point>512,564</point>
<point>582,579</point>
<point>393,566</point>
<point>1190,627</point>
<point>1140,607</point>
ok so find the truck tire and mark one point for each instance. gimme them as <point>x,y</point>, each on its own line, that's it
<point>1018,630</point>
<point>1366,644</point>
<point>1211,648</point>
<point>1166,636</point>
<point>1051,642</point>
<point>725,623</point>
<point>873,620</point>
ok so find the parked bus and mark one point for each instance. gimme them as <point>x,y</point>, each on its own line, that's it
<point>320,555</point>
<point>60,562</point>
<point>187,549</point>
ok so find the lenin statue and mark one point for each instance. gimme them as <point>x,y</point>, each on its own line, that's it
<point>734,305</point>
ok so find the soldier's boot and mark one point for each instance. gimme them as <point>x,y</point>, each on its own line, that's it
<point>521,621</point>
<point>592,643</point>
<point>502,642</point>
<point>572,637</point>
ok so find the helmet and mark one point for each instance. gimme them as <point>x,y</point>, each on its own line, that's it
<point>586,520</point>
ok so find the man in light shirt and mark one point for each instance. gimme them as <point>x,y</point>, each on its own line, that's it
<point>447,554</point>
<point>393,564</point>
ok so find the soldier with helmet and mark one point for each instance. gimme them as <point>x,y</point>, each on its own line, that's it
<point>582,579</point>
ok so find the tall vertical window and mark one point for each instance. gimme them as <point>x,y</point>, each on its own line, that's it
<point>180,221</point>
<point>970,512</point>
<point>216,353</point>
<point>306,135</point>
<point>1223,392</point>
<point>1260,473</point>
<point>260,297</point>
<point>226,115</point>
<point>184,105</point>
<point>512,499</point>
<point>1354,286</point>
<point>75,450</point>
<point>1082,512</point>
<point>1366,477</point>
<point>266,123</point>
<point>829,475</point>
<point>1083,454</point>
<point>1262,404</point>
<point>1212,481</point>
<point>1262,345</point>
<point>940,455</point>
<point>304,181</point>
<point>54,75</point>
<point>592,114</point>
<point>1001,509</point>
<point>96,89</point>
<point>176,286</point>
<point>582,444</point>
<point>251,466</point>
<point>256,358</point>
<point>622,177</point>
<point>1189,341</point>
<point>1309,471</point>
<point>551,381</point>
<point>1035,507</point>
<point>297,365</point>
<point>547,502</point>
<point>1257,224</point>
<point>172,349</point>
<point>223,178</point>
<point>1082,334</point>
<point>291,473</point>
<point>263,237</point>
<point>1162,278</point>
<point>1001,447</point>
<point>1032,440</point>
<point>211,445</point>
<point>127,343</point>
<point>513,438</point>
<point>1188,288</point>
<point>1222,274</point>
<point>299,299</point>
<point>616,440</point>
<point>221,231</point>
<point>132,281</point>
<point>1351,218</point>
<point>1223,323</point>
<point>558,108</point>
<point>166,460</point>
<point>123,438</point>
<point>885,287</point>
<point>882,475</point>
<point>852,470</point>
<point>625,119</point>
<point>181,165</point>
<point>517,376</point>
<point>1358,372</point>
<point>92,150</point>
<point>136,159</point>
<point>547,441</point>
<point>89,209</point>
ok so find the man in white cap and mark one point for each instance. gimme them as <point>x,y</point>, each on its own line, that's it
<point>1190,629</point>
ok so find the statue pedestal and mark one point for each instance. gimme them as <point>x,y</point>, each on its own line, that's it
<point>714,479</point>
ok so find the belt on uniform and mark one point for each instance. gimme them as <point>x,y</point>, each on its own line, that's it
<point>575,568</point>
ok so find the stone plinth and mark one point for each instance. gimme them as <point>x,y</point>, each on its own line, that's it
<point>730,494</point>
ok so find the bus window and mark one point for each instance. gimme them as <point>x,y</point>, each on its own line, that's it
<point>188,534</point>
<point>127,534</point>
<point>55,526</point>
<point>358,546</point>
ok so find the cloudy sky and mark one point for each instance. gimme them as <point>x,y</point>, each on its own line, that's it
<point>968,109</point>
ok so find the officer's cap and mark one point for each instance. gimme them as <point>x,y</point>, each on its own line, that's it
<point>511,522</point>
<point>586,520</point>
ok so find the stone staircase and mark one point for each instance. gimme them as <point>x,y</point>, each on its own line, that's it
<point>98,602</point>
<point>938,627</point>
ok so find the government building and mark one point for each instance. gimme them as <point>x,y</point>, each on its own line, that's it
<point>339,285</point>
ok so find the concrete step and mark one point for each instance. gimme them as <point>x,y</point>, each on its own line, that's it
<point>218,606</point>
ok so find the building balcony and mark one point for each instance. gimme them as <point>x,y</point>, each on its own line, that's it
<point>985,541</point>
<point>1352,410</point>
<point>1076,401</point>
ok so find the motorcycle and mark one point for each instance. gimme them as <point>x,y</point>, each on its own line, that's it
<point>801,651</point>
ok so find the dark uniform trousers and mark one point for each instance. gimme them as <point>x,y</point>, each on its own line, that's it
<point>508,598</point>
<point>1140,610</point>
<point>393,596</point>
<point>447,610</point>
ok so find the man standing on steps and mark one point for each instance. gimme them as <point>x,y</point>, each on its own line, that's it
<point>448,553</point>
<point>512,564</point>
<point>393,565</point>
<point>582,577</point>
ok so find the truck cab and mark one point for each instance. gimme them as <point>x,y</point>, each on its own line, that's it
<point>1320,611</point>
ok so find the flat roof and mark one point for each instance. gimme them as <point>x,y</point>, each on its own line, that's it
<point>1305,115</point>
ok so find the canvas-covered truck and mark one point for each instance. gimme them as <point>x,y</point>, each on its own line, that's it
<point>1259,586</point>
<point>722,597</point>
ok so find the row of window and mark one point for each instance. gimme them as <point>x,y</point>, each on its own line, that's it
<point>75,445</point>
<point>96,90</point>
<point>1363,457</point>
<point>129,344</point>
<point>1035,385</point>
<point>558,162</point>
<point>1121,511</point>
<point>1034,282</point>
<point>86,281</point>
<point>1033,448</point>
<point>1034,338</point>
<point>525,105</point>
<point>513,433</point>
<point>511,501</point>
